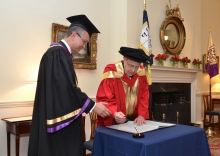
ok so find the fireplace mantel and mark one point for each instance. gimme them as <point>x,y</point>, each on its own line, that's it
<point>168,74</point>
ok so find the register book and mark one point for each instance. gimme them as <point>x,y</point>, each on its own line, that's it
<point>149,126</point>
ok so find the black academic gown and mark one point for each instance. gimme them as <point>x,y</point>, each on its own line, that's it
<point>57,96</point>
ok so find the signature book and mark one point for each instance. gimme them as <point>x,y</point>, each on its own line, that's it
<point>149,126</point>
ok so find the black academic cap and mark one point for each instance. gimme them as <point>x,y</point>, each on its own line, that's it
<point>83,22</point>
<point>137,55</point>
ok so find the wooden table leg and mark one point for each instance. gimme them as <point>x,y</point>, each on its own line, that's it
<point>17,144</point>
<point>218,122</point>
<point>8,143</point>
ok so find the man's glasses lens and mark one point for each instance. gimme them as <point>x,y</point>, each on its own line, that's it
<point>84,41</point>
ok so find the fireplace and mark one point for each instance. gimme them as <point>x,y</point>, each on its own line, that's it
<point>170,102</point>
<point>175,80</point>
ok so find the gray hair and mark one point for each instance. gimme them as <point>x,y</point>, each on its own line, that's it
<point>74,28</point>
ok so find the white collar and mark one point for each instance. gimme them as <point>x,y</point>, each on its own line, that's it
<point>66,44</point>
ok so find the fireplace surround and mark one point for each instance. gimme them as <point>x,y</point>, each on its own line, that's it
<point>167,75</point>
<point>170,102</point>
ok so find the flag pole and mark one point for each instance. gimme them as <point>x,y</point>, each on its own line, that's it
<point>210,132</point>
<point>210,87</point>
<point>144,4</point>
<point>210,92</point>
<point>145,44</point>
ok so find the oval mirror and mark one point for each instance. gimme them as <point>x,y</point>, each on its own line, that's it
<point>172,32</point>
<point>171,36</point>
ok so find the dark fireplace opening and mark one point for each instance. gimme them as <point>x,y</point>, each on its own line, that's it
<point>170,102</point>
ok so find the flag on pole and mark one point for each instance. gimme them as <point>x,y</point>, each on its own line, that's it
<point>145,43</point>
<point>145,40</point>
<point>211,66</point>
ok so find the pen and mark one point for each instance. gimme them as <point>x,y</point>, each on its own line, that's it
<point>126,120</point>
<point>136,128</point>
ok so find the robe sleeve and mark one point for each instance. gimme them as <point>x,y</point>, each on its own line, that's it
<point>105,93</point>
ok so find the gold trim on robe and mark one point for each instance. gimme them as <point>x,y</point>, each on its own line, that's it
<point>120,72</point>
<point>131,98</point>
<point>62,118</point>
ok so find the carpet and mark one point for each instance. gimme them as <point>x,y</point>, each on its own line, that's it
<point>214,145</point>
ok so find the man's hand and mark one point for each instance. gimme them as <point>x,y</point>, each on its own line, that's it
<point>101,110</point>
<point>119,117</point>
<point>140,120</point>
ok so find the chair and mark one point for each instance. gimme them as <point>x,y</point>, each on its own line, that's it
<point>209,110</point>
<point>89,144</point>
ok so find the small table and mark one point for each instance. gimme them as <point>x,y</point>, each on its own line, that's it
<point>17,126</point>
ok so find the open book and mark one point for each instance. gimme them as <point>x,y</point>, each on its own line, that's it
<point>149,126</point>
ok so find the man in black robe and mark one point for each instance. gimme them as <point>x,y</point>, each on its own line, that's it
<point>56,128</point>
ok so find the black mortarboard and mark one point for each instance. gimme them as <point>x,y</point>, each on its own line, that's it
<point>137,55</point>
<point>83,22</point>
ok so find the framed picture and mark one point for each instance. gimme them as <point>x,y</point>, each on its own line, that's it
<point>205,62</point>
<point>84,59</point>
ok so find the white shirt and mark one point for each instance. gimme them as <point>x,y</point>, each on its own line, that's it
<point>66,44</point>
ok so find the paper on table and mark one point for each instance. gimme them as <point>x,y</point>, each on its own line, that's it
<point>159,124</point>
<point>149,126</point>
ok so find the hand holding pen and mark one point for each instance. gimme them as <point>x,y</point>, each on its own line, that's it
<point>119,117</point>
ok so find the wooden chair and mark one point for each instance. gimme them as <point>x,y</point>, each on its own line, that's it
<point>89,144</point>
<point>209,110</point>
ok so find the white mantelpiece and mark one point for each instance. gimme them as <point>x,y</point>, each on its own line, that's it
<point>166,74</point>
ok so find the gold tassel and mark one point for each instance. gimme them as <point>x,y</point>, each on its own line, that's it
<point>148,74</point>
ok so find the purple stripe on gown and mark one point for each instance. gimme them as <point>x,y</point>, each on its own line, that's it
<point>59,127</point>
<point>56,43</point>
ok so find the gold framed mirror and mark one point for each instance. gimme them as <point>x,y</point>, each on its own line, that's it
<point>86,58</point>
<point>172,32</point>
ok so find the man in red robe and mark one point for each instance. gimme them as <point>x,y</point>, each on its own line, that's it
<point>124,88</point>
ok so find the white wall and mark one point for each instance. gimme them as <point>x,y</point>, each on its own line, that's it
<point>27,38</point>
<point>26,34</point>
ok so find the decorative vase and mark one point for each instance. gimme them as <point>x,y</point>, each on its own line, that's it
<point>197,66</point>
<point>174,63</point>
<point>185,64</point>
<point>160,62</point>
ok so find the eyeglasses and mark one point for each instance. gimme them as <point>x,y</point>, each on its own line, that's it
<point>132,66</point>
<point>84,41</point>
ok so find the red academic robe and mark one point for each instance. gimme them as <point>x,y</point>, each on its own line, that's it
<point>111,90</point>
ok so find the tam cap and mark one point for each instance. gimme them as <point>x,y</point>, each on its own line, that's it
<point>137,55</point>
<point>83,22</point>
